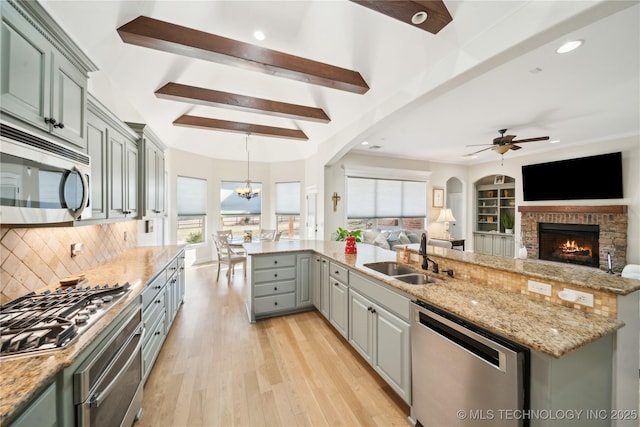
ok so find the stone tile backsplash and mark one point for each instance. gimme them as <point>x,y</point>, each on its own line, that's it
<point>33,258</point>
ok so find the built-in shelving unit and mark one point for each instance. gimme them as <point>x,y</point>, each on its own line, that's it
<point>493,201</point>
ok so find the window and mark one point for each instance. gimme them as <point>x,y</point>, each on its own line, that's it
<point>238,214</point>
<point>288,209</point>
<point>192,209</point>
<point>385,203</point>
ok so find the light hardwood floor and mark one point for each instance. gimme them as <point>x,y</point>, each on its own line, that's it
<point>217,369</point>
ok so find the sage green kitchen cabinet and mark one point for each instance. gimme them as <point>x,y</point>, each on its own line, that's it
<point>123,176</point>
<point>44,83</point>
<point>97,139</point>
<point>152,164</point>
<point>379,331</point>
<point>273,285</point>
<point>304,288</point>
<point>320,284</point>
<point>339,298</point>
<point>41,412</point>
<point>497,244</point>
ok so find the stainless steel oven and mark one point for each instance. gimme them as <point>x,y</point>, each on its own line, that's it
<point>108,385</point>
<point>41,181</point>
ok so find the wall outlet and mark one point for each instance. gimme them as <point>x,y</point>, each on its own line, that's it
<point>583,298</point>
<point>539,287</point>
<point>125,236</point>
<point>76,248</point>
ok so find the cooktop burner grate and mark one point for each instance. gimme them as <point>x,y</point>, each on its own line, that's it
<point>51,320</point>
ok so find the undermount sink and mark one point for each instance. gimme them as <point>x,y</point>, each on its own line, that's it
<point>415,279</point>
<point>400,272</point>
<point>390,268</point>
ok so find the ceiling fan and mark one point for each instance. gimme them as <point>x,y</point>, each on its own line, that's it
<point>504,143</point>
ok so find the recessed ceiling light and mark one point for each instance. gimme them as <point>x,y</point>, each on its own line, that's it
<point>364,143</point>
<point>554,141</point>
<point>569,46</point>
<point>258,35</point>
<point>419,17</point>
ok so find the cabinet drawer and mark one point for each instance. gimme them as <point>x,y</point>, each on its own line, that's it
<point>275,303</point>
<point>396,303</point>
<point>155,310</point>
<point>274,288</point>
<point>152,289</point>
<point>273,274</point>
<point>274,261</point>
<point>152,347</point>
<point>339,272</point>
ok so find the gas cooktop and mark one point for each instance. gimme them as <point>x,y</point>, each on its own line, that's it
<point>53,319</point>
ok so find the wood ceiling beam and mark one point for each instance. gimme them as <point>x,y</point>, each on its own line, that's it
<point>438,15</point>
<point>167,37</point>
<point>238,127</point>
<point>213,98</point>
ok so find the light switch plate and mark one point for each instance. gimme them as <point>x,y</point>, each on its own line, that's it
<point>539,287</point>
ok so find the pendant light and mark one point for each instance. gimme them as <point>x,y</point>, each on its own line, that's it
<point>247,192</point>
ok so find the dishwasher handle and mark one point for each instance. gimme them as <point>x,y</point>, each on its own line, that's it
<point>485,352</point>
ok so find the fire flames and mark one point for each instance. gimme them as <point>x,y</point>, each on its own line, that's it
<point>571,247</point>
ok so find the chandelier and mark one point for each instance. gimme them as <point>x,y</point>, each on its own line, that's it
<point>247,192</point>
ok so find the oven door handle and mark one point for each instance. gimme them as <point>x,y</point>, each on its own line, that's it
<point>97,399</point>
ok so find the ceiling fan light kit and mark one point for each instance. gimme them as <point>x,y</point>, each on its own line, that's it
<point>504,143</point>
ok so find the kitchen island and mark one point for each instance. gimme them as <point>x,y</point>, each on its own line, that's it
<point>23,378</point>
<point>488,291</point>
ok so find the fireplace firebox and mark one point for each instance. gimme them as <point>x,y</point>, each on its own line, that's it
<point>569,243</point>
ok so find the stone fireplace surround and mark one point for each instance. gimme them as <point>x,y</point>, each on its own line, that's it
<point>612,219</point>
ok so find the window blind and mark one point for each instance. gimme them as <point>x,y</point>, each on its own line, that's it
<point>385,198</point>
<point>287,198</point>
<point>192,196</point>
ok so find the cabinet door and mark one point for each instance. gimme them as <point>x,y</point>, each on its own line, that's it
<point>339,307</point>
<point>25,69</point>
<point>97,149</point>
<point>303,286</point>
<point>391,354</point>
<point>315,281</point>
<point>325,285</point>
<point>151,172</point>
<point>361,325</point>
<point>42,412</point>
<point>116,176</point>
<point>160,188</point>
<point>131,179</point>
<point>69,101</point>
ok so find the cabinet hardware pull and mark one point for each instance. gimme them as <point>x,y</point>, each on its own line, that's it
<point>275,288</point>
<point>337,272</point>
<point>369,309</point>
<point>275,303</point>
<point>335,284</point>
<point>275,275</point>
<point>275,262</point>
<point>373,310</point>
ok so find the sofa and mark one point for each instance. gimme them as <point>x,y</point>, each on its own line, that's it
<point>392,239</point>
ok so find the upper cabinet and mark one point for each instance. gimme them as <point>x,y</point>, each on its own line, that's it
<point>113,148</point>
<point>152,171</point>
<point>44,73</point>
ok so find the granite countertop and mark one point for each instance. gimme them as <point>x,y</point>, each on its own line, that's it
<point>23,377</point>
<point>549,328</point>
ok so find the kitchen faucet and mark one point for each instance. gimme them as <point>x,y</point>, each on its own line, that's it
<point>425,258</point>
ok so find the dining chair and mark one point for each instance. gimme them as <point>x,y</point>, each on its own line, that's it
<point>227,256</point>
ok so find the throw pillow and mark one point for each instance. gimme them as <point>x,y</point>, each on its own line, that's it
<point>404,239</point>
<point>393,239</point>
<point>381,241</point>
<point>413,237</point>
<point>369,236</point>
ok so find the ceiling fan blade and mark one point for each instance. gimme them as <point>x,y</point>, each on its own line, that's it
<point>478,145</point>
<point>479,151</point>
<point>541,138</point>
<point>515,147</point>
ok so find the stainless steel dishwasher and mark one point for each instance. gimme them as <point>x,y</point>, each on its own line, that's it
<point>463,375</point>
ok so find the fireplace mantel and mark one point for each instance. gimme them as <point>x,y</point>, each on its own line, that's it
<point>612,219</point>
<point>609,209</point>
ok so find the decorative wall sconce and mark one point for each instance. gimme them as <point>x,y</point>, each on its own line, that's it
<point>335,198</point>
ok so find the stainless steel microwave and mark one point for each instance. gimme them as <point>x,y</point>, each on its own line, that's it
<point>41,181</point>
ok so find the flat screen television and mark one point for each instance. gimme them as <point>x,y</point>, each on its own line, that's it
<point>594,177</point>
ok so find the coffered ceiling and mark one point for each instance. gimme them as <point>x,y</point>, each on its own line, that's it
<point>367,74</point>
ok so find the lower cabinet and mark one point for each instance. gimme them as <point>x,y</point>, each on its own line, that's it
<point>42,412</point>
<point>339,307</point>
<point>497,244</point>
<point>381,337</point>
<point>161,301</point>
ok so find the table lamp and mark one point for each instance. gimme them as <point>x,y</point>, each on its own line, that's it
<point>445,216</point>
